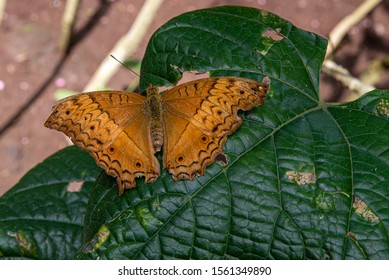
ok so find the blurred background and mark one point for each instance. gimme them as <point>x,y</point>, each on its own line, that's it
<point>33,68</point>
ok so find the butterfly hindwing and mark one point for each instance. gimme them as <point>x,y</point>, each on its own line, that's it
<point>130,156</point>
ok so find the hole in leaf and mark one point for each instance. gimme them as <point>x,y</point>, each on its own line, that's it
<point>222,158</point>
<point>273,34</point>
<point>74,186</point>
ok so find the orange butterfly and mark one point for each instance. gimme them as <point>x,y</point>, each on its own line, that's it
<point>122,130</point>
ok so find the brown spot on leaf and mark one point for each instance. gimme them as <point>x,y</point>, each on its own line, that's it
<point>301,178</point>
<point>383,107</point>
<point>363,210</point>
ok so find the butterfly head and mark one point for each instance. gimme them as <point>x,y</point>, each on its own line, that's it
<point>152,91</point>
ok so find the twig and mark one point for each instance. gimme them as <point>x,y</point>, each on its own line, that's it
<point>68,19</point>
<point>17,115</point>
<point>3,3</point>
<point>341,29</point>
<point>126,45</point>
<point>337,34</point>
<point>343,75</point>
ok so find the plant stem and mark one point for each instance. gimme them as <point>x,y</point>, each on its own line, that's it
<point>343,75</point>
<point>125,47</point>
<point>3,3</point>
<point>341,29</point>
<point>68,19</point>
<point>335,37</point>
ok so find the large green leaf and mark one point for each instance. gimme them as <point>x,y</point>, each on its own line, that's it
<point>296,168</point>
<point>39,218</point>
<point>304,179</point>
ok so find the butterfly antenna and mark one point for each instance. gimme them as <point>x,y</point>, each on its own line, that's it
<point>128,68</point>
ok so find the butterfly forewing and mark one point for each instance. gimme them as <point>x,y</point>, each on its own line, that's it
<point>112,126</point>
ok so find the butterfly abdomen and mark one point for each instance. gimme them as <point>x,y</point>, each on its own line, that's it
<point>154,109</point>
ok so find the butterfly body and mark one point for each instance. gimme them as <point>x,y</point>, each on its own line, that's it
<point>189,123</point>
<point>154,109</point>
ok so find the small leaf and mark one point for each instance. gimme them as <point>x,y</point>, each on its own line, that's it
<point>61,93</point>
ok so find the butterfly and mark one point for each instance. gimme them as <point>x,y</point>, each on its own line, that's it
<point>190,123</point>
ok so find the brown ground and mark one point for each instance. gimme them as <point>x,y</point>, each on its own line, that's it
<point>30,32</point>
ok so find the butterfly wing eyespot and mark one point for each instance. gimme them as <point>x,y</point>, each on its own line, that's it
<point>180,159</point>
<point>138,164</point>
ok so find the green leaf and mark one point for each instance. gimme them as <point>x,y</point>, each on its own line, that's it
<point>39,218</point>
<point>296,167</point>
<point>61,93</point>
<point>303,179</point>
